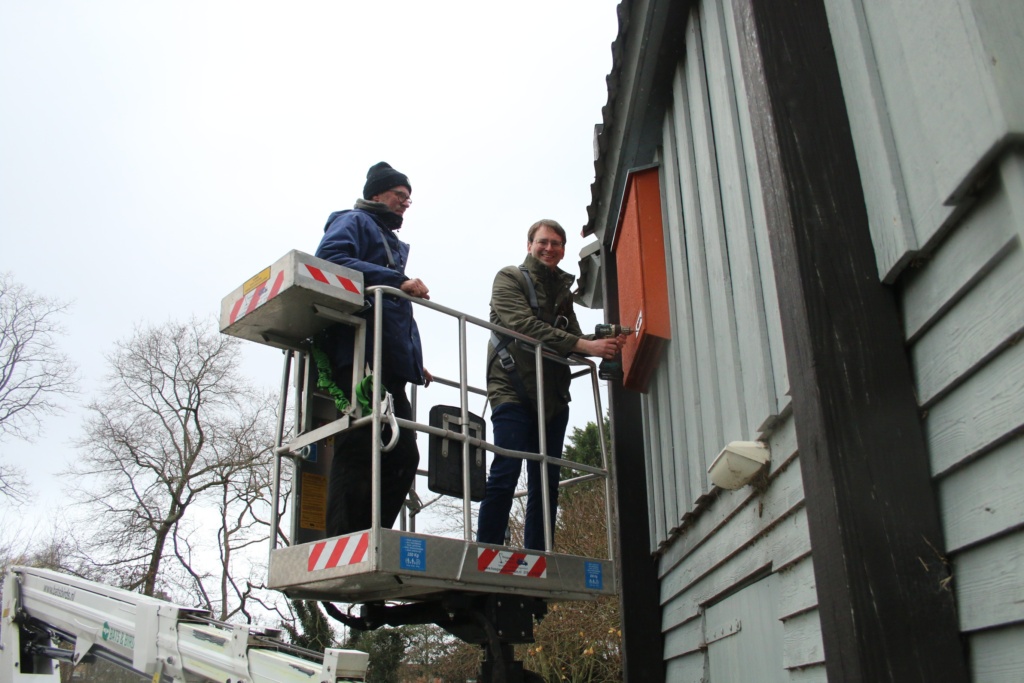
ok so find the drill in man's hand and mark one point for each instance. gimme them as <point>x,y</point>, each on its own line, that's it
<point>606,331</point>
<point>610,369</point>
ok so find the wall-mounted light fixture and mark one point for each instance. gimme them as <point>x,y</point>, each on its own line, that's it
<point>738,463</point>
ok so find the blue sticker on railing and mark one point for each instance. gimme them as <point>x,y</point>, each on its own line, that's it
<point>595,581</point>
<point>414,554</point>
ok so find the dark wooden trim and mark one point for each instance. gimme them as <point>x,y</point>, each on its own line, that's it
<point>886,606</point>
<point>643,648</point>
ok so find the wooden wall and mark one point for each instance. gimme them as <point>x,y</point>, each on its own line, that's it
<point>936,103</point>
<point>935,100</point>
<point>937,117</point>
<point>967,300</point>
<point>723,377</point>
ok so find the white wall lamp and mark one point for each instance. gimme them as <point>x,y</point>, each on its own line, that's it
<point>738,464</point>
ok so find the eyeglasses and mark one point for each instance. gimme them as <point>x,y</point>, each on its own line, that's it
<point>554,244</point>
<point>402,196</point>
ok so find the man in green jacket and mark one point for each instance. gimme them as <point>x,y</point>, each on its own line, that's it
<point>532,299</point>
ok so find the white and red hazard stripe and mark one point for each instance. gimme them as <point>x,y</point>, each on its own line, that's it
<point>256,298</point>
<point>338,552</point>
<point>511,563</point>
<point>331,279</point>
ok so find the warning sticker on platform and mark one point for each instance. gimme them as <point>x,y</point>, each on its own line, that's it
<point>595,579</point>
<point>313,512</point>
<point>511,563</point>
<point>256,280</point>
<point>413,554</point>
<point>339,552</point>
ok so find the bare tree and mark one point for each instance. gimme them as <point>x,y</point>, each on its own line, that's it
<point>33,372</point>
<point>242,506</point>
<point>175,425</point>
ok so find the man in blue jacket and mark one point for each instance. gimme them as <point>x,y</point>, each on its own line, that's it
<point>364,239</point>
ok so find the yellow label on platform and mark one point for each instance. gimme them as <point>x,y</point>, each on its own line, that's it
<point>313,511</point>
<point>256,280</point>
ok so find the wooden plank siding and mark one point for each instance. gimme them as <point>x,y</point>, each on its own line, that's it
<point>964,322</point>
<point>936,89</point>
<point>998,656</point>
<point>739,534</point>
<point>989,317</point>
<point>652,453</point>
<point>893,533</point>
<point>769,315</point>
<point>680,353</point>
<point>690,324</point>
<point>718,380</point>
<point>742,270</point>
<point>880,613</point>
<point>984,498</point>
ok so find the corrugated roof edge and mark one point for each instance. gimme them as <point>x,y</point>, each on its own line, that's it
<point>607,112</point>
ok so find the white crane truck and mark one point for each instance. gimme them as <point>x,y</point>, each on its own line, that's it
<point>43,610</point>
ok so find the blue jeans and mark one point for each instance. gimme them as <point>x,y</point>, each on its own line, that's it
<point>515,428</point>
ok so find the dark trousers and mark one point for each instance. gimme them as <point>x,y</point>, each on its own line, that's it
<point>515,428</point>
<point>350,486</point>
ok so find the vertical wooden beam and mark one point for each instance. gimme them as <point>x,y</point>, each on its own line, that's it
<point>643,649</point>
<point>884,593</point>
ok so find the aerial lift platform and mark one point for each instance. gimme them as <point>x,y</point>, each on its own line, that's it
<point>482,593</point>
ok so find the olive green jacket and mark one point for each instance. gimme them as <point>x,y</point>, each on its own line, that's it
<point>510,307</point>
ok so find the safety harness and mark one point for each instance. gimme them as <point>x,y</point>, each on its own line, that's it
<point>501,342</point>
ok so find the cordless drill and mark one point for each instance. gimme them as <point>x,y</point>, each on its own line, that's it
<point>606,331</point>
<point>610,369</point>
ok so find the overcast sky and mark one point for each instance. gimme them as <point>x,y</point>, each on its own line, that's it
<point>155,155</point>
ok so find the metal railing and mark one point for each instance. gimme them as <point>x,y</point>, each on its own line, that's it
<point>294,448</point>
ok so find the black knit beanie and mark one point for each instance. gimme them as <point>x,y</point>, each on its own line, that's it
<point>381,178</point>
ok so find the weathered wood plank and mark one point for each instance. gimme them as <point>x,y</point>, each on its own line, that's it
<point>892,228</point>
<point>782,443</point>
<point>798,591</point>
<point>966,256</point>
<point>652,447</point>
<point>788,541</point>
<point>667,454</point>
<point>758,517</point>
<point>689,669</point>
<point>998,656</point>
<point>989,583</point>
<point>685,638</point>
<point>755,379</point>
<point>686,440</point>
<point>985,409</point>
<point>985,498</point>
<point>938,91</point>
<point>802,644</point>
<point>754,651</point>
<point>714,247</point>
<point>769,292</point>
<point>1000,26</point>
<point>693,96</point>
<point>703,426</point>
<point>988,317</point>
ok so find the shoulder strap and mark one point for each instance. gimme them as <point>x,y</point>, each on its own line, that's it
<point>387,247</point>
<point>531,291</point>
<point>501,343</point>
<point>508,364</point>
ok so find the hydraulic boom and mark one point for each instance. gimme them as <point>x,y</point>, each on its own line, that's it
<point>155,638</point>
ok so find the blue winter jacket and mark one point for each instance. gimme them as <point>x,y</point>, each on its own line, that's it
<point>355,239</point>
